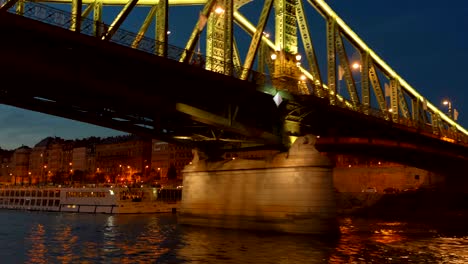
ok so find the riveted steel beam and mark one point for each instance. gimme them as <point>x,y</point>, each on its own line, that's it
<point>194,37</point>
<point>256,39</point>
<point>350,84</point>
<point>374,79</point>
<point>285,25</point>
<point>331,59</point>
<point>394,99</point>
<point>98,28</point>
<point>76,9</point>
<point>308,46</point>
<point>365,89</point>
<point>119,19</point>
<point>144,27</point>
<point>403,104</point>
<point>162,15</point>
<point>7,5</point>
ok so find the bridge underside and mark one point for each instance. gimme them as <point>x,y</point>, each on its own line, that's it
<point>341,131</point>
<point>63,73</point>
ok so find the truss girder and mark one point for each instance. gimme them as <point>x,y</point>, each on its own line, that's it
<point>162,18</point>
<point>98,28</point>
<point>228,36</point>
<point>7,5</point>
<point>119,19</point>
<point>350,84</point>
<point>394,84</point>
<point>144,27</point>
<point>205,117</point>
<point>215,42</point>
<point>290,12</point>
<point>308,46</point>
<point>403,104</point>
<point>262,57</point>
<point>249,60</point>
<point>331,59</point>
<point>194,37</point>
<point>418,114</point>
<point>374,79</point>
<point>285,25</point>
<point>328,14</point>
<point>236,60</point>
<point>365,89</point>
<point>76,9</point>
<point>89,8</point>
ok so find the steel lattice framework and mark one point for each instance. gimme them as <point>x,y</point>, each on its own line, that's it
<point>279,59</point>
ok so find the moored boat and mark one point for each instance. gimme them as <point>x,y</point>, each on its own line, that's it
<point>86,199</point>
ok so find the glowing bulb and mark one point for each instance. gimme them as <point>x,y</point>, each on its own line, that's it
<point>219,10</point>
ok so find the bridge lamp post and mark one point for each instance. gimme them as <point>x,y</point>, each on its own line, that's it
<point>449,104</point>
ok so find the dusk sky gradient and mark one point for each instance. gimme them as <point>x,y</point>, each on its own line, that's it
<point>425,42</point>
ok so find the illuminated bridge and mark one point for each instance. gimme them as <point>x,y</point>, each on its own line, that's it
<point>240,87</point>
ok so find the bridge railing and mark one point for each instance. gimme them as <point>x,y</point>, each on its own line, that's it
<point>64,19</point>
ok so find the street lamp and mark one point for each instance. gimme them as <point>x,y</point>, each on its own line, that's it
<point>449,104</point>
<point>356,66</point>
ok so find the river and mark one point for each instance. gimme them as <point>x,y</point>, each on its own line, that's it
<point>47,237</point>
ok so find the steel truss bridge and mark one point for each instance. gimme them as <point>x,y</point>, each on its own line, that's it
<point>283,65</point>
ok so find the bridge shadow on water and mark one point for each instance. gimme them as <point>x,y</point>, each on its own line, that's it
<point>443,210</point>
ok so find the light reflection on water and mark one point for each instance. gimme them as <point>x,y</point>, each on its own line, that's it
<point>38,237</point>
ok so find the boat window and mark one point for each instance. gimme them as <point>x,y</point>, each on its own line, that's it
<point>33,202</point>
<point>22,193</point>
<point>57,193</point>
<point>28,193</point>
<point>171,195</point>
<point>26,202</point>
<point>21,201</point>
<point>51,202</point>
<point>7,193</point>
<point>39,202</point>
<point>44,202</point>
<point>57,202</point>
<point>17,193</point>
<point>33,193</point>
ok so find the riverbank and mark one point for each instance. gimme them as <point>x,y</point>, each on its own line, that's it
<point>415,205</point>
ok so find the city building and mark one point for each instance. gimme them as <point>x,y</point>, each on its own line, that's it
<point>124,159</point>
<point>5,165</point>
<point>20,173</point>
<point>168,160</point>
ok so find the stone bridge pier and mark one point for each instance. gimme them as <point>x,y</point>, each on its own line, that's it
<point>291,192</point>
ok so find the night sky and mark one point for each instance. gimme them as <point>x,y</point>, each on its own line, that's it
<point>425,42</point>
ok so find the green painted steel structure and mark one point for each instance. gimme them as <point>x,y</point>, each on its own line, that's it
<point>278,58</point>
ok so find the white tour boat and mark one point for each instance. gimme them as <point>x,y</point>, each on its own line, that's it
<point>110,200</point>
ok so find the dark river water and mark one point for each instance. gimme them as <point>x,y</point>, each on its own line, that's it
<point>41,237</point>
